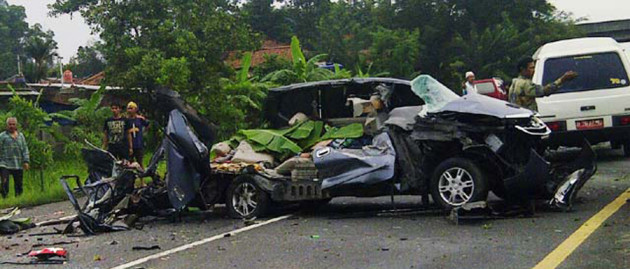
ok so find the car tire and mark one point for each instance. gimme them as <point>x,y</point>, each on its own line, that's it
<point>245,199</point>
<point>626,149</point>
<point>457,181</point>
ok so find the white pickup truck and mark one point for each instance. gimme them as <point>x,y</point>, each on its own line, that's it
<point>596,104</point>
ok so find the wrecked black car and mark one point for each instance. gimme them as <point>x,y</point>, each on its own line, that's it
<point>419,138</point>
<point>362,137</point>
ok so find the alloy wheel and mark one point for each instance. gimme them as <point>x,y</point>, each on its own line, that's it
<point>456,186</point>
<point>244,199</point>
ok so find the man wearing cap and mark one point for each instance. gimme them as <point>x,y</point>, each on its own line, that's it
<point>523,91</point>
<point>467,86</point>
<point>134,126</point>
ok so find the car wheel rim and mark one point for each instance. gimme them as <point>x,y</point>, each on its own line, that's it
<point>456,186</point>
<point>244,199</point>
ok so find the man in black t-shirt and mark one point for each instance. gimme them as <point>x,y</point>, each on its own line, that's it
<point>115,140</point>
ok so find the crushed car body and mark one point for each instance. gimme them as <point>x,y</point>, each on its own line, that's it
<point>362,137</point>
<point>424,140</point>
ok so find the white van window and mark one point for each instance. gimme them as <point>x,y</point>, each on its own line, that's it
<point>595,71</point>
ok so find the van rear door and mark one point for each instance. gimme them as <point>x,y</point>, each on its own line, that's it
<point>602,89</point>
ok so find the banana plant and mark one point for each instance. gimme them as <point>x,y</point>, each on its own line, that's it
<point>367,74</point>
<point>302,70</point>
<point>246,97</point>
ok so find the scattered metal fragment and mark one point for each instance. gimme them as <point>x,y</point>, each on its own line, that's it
<point>56,221</point>
<point>154,247</point>
<point>43,234</point>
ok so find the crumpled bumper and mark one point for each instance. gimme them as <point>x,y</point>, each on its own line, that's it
<point>559,182</point>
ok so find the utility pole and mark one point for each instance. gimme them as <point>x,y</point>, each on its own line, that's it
<point>60,70</point>
<point>19,67</point>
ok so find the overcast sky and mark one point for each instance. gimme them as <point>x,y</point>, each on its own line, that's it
<point>72,32</point>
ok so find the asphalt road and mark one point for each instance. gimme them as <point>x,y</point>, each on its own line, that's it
<point>357,233</point>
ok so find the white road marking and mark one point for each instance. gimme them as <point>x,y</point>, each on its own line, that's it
<point>198,243</point>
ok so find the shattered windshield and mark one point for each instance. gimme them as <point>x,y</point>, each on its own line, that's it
<point>434,93</point>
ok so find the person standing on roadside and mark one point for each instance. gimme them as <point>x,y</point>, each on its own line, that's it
<point>523,91</point>
<point>467,86</point>
<point>115,139</point>
<point>14,157</point>
<point>135,126</point>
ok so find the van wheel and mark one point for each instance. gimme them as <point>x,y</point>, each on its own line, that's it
<point>626,149</point>
<point>245,199</point>
<point>457,181</point>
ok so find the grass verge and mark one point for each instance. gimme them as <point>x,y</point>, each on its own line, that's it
<point>52,191</point>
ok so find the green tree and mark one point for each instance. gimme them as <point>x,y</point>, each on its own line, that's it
<point>87,62</point>
<point>395,51</point>
<point>179,44</point>
<point>265,18</point>
<point>41,48</point>
<point>186,39</point>
<point>489,53</point>
<point>13,28</point>
<point>304,16</point>
<point>346,31</point>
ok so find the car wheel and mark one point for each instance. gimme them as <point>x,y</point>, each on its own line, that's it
<point>457,181</point>
<point>626,149</point>
<point>245,199</point>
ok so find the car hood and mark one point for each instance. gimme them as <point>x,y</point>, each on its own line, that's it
<point>484,105</point>
<point>440,99</point>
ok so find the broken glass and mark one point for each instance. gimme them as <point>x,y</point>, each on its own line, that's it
<point>434,93</point>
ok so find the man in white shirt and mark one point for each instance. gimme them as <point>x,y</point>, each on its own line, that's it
<point>467,86</point>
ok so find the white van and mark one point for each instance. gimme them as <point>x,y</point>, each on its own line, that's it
<point>596,104</point>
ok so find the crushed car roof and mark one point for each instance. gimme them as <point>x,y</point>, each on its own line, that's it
<point>340,82</point>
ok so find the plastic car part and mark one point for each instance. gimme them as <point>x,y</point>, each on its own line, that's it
<point>48,253</point>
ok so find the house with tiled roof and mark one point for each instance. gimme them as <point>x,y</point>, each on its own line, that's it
<point>269,47</point>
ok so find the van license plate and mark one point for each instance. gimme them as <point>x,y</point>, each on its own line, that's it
<point>589,124</point>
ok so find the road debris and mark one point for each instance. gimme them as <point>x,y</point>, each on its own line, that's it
<point>10,225</point>
<point>47,254</point>
<point>154,247</point>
